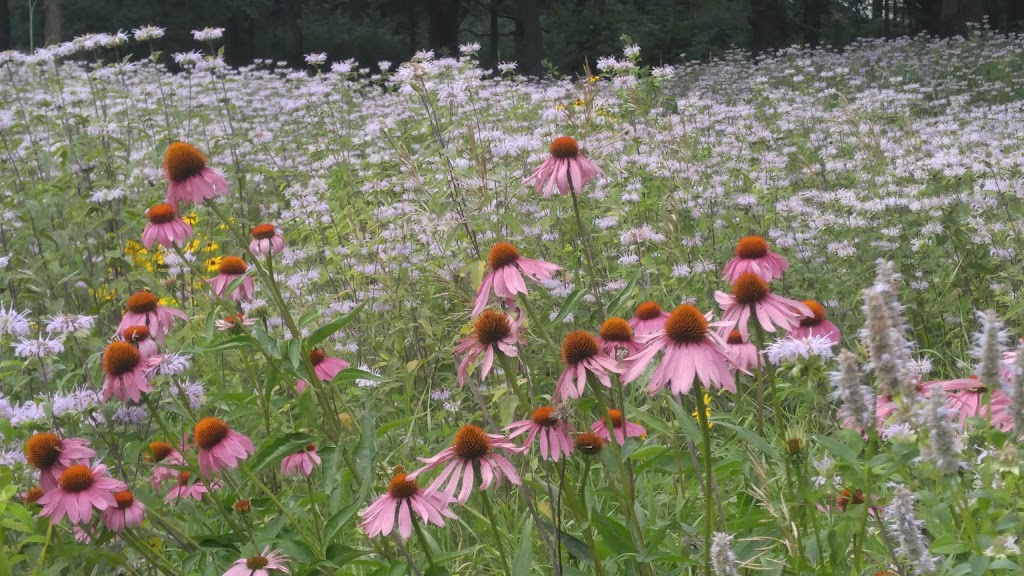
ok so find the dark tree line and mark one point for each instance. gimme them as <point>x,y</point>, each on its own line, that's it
<point>535,33</point>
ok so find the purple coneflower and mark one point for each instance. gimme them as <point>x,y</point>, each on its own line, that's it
<point>325,368</point>
<point>230,268</point>
<point>753,255</point>
<point>266,240</point>
<point>403,497</point>
<point>144,309</point>
<point>302,462</point>
<point>550,428</point>
<point>582,354</point>
<point>125,369</point>
<point>493,332</point>
<point>126,513</point>
<point>51,455</point>
<point>473,448</point>
<point>565,169</point>
<point>752,296</point>
<point>260,564</point>
<point>165,227</point>
<point>220,447</point>
<point>623,428</point>
<point>648,319</point>
<point>80,490</point>
<point>189,180</point>
<point>505,277</point>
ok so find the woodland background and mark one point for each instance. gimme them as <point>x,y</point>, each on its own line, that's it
<point>543,36</point>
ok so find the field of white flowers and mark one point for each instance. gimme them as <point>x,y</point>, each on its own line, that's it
<point>381,320</point>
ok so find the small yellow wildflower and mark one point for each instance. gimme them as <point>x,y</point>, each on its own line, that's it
<point>707,411</point>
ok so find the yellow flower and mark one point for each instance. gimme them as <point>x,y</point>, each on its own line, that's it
<point>168,301</point>
<point>707,411</point>
<point>211,246</point>
<point>560,107</point>
<point>579,103</point>
<point>192,219</point>
<point>594,78</point>
<point>103,293</point>
<point>213,264</point>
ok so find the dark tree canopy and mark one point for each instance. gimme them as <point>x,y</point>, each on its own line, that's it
<point>539,34</point>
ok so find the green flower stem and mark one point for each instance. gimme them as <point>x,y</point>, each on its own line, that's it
<point>176,533</point>
<point>709,504</point>
<point>42,553</point>
<point>587,251</point>
<point>154,557</point>
<point>767,371</point>
<point>280,506</point>
<point>419,535</point>
<point>508,367</point>
<point>498,543</point>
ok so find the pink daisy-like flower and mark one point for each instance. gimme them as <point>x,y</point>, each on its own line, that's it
<point>260,565</point>
<point>966,396</point>
<point>144,309</point>
<point>184,490</point>
<point>125,369</point>
<point>816,325</point>
<point>506,275</point>
<point>163,453</point>
<point>403,497</point>
<point>493,332</point>
<point>623,428</point>
<point>189,180</point>
<point>472,448</point>
<point>753,255</point>
<point>302,462</point>
<point>550,428</point>
<point>165,227</point>
<point>648,319</point>
<point>744,355</point>
<point>616,338</point>
<point>234,322</point>
<point>582,354</point>
<point>230,268</point>
<point>266,240</point>
<point>51,455</point>
<point>565,169</point>
<point>79,490</point>
<point>141,338</point>
<point>126,513</point>
<point>220,447</point>
<point>326,368</point>
<point>691,350</point>
<point>752,296</point>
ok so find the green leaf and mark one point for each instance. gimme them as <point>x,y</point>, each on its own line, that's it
<point>352,374</point>
<point>240,341</point>
<point>234,285</point>
<point>327,330</point>
<point>686,422</point>
<point>278,448</point>
<point>749,436</point>
<point>521,563</point>
<point>367,449</point>
<point>338,521</point>
<point>844,452</point>
<point>613,533</point>
<point>307,318</point>
<point>616,303</point>
<point>568,306</point>
<point>295,353</point>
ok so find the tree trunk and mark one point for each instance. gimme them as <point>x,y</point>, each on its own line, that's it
<point>877,9</point>
<point>412,23</point>
<point>52,22</point>
<point>493,48</point>
<point>814,14</point>
<point>529,39</point>
<point>443,34</point>
<point>291,16</point>
<point>5,26</point>
<point>765,32</point>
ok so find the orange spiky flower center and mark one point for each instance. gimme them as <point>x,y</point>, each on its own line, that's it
<point>160,450</point>
<point>120,358</point>
<point>232,265</point>
<point>401,487</point>
<point>76,478</point>
<point>263,231</point>
<point>183,477</point>
<point>564,147</point>
<point>616,329</point>
<point>578,346</point>
<point>752,248</point>
<point>317,355</point>
<point>256,562</point>
<point>161,214</point>
<point>502,254</point>
<point>648,311</point>
<point>34,493</point>
<point>124,499</point>
<point>589,443</point>
<point>735,337</point>
<point>471,443</point>
<point>686,325</point>
<point>243,506</point>
<point>616,417</point>
<point>135,333</point>
<point>209,432</point>
<point>749,288</point>
<point>818,312</point>
<point>143,302</point>
<point>545,416</point>
<point>491,327</point>
<point>42,450</point>
<point>183,161</point>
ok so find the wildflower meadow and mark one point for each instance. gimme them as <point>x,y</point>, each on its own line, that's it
<point>746,316</point>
